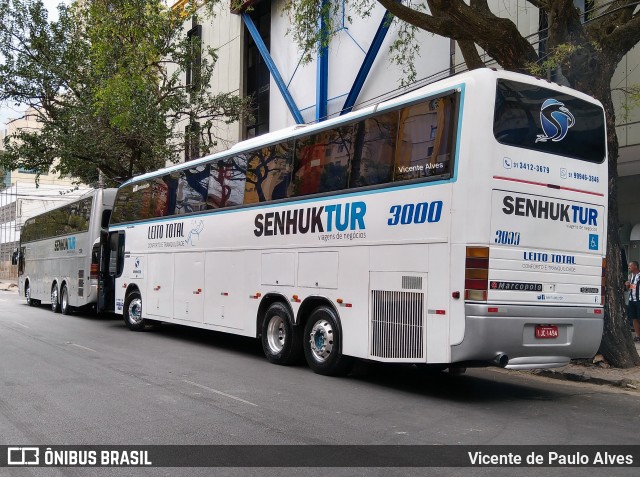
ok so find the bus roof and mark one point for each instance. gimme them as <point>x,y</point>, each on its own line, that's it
<point>440,86</point>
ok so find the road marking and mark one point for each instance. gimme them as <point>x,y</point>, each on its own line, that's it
<point>82,347</point>
<point>20,324</point>
<point>220,392</point>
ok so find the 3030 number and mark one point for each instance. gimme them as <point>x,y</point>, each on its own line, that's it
<point>506,237</point>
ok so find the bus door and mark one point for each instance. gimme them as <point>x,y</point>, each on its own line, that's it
<point>111,265</point>
<point>17,258</point>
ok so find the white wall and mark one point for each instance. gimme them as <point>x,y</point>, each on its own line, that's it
<point>222,32</point>
<point>346,53</point>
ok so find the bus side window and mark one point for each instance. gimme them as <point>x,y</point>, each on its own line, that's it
<point>227,182</point>
<point>268,173</point>
<point>143,200</point>
<point>425,139</point>
<point>322,161</point>
<point>191,193</point>
<point>375,144</point>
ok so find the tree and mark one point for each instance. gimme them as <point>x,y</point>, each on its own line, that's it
<point>104,82</point>
<point>584,48</point>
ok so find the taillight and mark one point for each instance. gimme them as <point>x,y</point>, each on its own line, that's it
<point>476,274</point>
<point>603,281</point>
<point>95,262</point>
<point>93,273</point>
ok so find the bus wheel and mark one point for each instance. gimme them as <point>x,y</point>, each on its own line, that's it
<point>55,305</point>
<point>133,312</point>
<point>322,344</point>
<point>27,294</point>
<point>281,340</point>
<point>64,301</point>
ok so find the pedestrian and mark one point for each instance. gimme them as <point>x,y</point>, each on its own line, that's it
<point>633,308</point>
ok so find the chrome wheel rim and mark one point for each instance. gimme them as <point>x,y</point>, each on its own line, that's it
<point>276,334</point>
<point>135,311</point>
<point>28,294</point>
<point>321,340</point>
<point>54,297</point>
<point>64,298</point>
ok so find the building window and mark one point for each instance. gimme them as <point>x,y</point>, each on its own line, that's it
<point>257,73</point>
<point>194,36</point>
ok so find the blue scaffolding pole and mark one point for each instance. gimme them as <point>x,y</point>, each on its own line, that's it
<point>367,63</point>
<point>322,74</point>
<point>273,69</point>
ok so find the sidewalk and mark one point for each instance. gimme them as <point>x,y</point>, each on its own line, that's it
<point>596,373</point>
<point>8,285</point>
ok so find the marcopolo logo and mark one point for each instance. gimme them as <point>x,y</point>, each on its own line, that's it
<point>337,217</point>
<point>68,243</point>
<point>556,119</point>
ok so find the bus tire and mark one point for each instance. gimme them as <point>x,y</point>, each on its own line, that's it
<point>133,312</point>
<point>65,309</point>
<point>281,340</point>
<point>27,294</point>
<point>322,344</point>
<point>55,303</point>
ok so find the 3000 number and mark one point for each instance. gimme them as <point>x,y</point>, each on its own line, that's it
<point>415,213</point>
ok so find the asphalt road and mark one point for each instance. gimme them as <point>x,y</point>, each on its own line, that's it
<point>82,379</point>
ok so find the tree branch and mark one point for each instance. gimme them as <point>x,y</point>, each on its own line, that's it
<point>624,37</point>
<point>454,19</point>
<point>470,54</point>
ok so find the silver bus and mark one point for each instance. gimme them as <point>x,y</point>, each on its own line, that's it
<point>59,256</point>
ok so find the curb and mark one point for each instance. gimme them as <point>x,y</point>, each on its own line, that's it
<point>583,376</point>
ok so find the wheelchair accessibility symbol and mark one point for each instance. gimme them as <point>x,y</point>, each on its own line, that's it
<point>593,242</point>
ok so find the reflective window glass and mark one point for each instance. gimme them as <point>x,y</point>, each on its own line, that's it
<point>268,173</point>
<point>425,139</point>
<point>375,142</point>
<point>227,182</point>
<point>192,189</point>
<point>322,161</point>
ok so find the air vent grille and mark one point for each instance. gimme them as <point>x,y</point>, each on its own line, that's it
<point>412,283</point>
<point>397,323</point>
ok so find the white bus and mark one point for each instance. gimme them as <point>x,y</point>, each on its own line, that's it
<point>459,224</point>
<point>59,257</point>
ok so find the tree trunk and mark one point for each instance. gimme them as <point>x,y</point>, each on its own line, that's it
<point>617,345</point>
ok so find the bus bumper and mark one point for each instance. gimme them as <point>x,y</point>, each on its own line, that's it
<point>507,337</point>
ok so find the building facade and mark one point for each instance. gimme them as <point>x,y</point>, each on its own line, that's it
<point>21,198</point>
<point>258,58</point>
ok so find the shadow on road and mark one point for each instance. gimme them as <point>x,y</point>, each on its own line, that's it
<point>477,385</point>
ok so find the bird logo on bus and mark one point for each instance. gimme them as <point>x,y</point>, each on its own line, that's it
<point>556,119</point>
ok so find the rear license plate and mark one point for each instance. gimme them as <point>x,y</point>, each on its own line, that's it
<point>546,331</point>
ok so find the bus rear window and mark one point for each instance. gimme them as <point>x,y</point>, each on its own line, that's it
<point>544,120</point>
